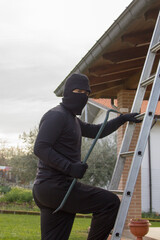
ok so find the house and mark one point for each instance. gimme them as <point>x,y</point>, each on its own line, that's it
<point>114,65</point>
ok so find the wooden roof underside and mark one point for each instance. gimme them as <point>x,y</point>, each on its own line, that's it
<point>120,63</point>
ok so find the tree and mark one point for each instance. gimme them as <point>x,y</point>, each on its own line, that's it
<point>24,166</point>
<point>29,139</point>
<point>23,161</point>
<point>101,161</point>
<point>4,153</point>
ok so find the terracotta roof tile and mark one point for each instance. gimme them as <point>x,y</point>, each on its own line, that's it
<point>107,103</point>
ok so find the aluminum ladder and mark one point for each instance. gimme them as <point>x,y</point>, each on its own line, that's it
<point>145,79</point>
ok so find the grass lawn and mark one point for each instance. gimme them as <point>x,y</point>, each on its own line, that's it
<point>155,224</point>
<point>27,227</point>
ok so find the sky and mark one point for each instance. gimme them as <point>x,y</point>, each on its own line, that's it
<point>41,41</point>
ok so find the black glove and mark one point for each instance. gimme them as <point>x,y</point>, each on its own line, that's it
<point>77,170</point>
<point>131,117</point>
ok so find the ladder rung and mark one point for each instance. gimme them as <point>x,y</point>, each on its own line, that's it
<point>118,192</point>
<point>148,81</point>
<point>127,154</point>
<point>156,47</point>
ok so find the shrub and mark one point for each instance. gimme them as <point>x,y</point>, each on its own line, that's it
<point>18,195</point>
<point>5,189</point>
<point>151,215</point>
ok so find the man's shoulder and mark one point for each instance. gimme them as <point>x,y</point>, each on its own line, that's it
<point>57,111</point>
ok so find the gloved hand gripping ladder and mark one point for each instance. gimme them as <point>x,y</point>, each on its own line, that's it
<point>85,159</point>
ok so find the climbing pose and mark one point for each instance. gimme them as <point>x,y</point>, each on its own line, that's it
<point>58,147</point>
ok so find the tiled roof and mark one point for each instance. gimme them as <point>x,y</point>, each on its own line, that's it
<point>107,103</point>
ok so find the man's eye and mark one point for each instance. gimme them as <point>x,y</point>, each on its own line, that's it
<point>80,91</point>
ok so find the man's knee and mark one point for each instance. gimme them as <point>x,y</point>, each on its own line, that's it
<point>111,201</point>
<point>116,201</point>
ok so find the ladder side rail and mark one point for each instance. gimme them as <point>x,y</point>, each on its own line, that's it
<point>139,96</point>
<point>137,158</point>
<point>147,67</point>
<point>119,166</point>
<point>156,32</point>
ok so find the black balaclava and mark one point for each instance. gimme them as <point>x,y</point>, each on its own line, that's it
<point>75,102</point>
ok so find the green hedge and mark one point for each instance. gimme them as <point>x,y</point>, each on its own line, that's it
<point>5,189</point>
<point>151,215</point>
<point>17,195</point>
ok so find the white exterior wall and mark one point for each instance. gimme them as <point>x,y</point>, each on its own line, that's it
<point>155,171</point>
<point>101,116</point>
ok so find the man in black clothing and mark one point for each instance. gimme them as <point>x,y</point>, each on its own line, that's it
<point>58,147</point>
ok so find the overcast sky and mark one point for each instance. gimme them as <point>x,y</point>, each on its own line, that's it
<point>41,41</point>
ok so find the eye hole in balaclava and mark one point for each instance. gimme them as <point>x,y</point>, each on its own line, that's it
<point>75,102</point>
<point>81,91</point>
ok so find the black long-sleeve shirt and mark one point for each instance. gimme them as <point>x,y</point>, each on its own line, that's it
<point>58,143</point>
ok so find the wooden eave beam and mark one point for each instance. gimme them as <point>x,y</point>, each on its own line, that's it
<point>104,92</point>
<point>98,83</point>
<point>106,86</point>
<point>110,69</point>
<point>151,14</point>
<point>128,54</point>
<point>137,38</point>
<point>115,77</point>
<point>134,79</point>
<point>103,86</point>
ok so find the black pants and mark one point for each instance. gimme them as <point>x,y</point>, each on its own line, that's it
<point>83,199</point>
